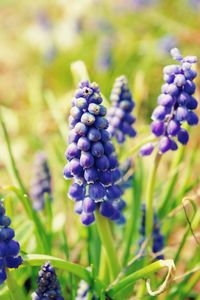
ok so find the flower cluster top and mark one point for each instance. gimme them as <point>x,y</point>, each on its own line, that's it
<point>40,181</point>
<point>9,248</point>
<point>176,105</point>
<point>119,115</point>
<point>48,285</point>
<point>92,162</point>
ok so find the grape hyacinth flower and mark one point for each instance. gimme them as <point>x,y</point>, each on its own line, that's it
<point>119,115</point>
<point>9,248</point>
<point>176,105</point>
<point>41,181</point>
<point>158,240</point>
<point>104,54</point>
<point>92,162</point>
<point>48,285</point>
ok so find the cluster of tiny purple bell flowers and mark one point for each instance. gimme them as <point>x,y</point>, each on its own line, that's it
<point>9,248</point>
<point>40,181</point>
<point>92,162</point>
<point>176,105</point>
<point>48,285</point>
<point>158,240</point>
<point>120,114</point>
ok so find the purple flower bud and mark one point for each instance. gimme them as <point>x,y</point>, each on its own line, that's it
<point>157,127</point>
<point>165,100</point>
<point>87,119</point>
<point>89,205</point>
<point>146,149</point>
<point>87,219</point>
<point>86,160</point>
<point>80,102</point>
<point>67,172</point>
<point>106,178</point>
<point>96,191</point>
<point>77,192</point>
<point>106,209</point>
<point>183,136</point>
<point>72,151</point>
<point>159,113</point>
<point>164,144</point>
<point>181,114</point>
<point>94,135</point>
<point>102,163</point>
<point>176,54</point>
<point>94,109</point>
<point>189,87</point>
<point>191,103</point>
<point>179,80</point>
<point>105,135</point>
<point>183,98</point>
<point>97,149</point>
<point>173,127</point>
<point>101,123</point>
<point>78,207</point>
<point>75,112</point>
<point>192,118</point>
<point>80,129</point>
<point>91,175</point>
<point>83,144</point>
<point>75,167</point>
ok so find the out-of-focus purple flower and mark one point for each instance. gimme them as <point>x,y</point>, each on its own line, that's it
<point>9,248</point>
<point>92,162</point>
<point>176,105</point>
<point>194,4</point>
<point>104,54</point>
<point>40,181</point>
<point>120,114</point>
<point>166,43</point>
<point>82,291</point>
<point>158,239</point>
<point>48,285</point>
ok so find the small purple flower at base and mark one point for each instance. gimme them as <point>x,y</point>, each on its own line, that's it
<point>9,248</point>
<point>157,237</point>
<point>41,181</point>
<point>119,115</point>
<point>175,105</point>
<point>92,162</point>
<point>48,285</point>
<point>82,291</point>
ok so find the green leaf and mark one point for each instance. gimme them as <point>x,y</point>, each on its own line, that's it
<point>39,259</point>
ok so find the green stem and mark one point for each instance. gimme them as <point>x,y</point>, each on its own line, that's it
<point>15,291</point>
<point>14,169</point>
<point>108,244</point>
<point>129,280</point>
<point>103,272</point>
<point>166,203</point>
<point>150,196</point>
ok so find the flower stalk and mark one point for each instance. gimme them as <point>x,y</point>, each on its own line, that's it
<point>108,244</point>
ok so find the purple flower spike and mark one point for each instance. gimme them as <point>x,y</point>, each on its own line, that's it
<point>119,115</point>
<point>9,248</point>
<point>176,105</point>
<point>92,162</point>
<point>48,286</point>
<point>41,179</point>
